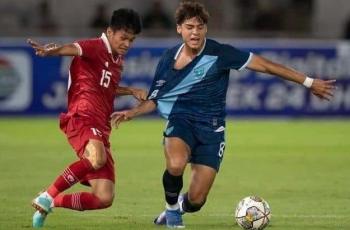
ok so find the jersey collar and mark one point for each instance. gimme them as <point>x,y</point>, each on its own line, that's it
<point>106,42</point>
<point>116,59</point>
<point>182,46</point>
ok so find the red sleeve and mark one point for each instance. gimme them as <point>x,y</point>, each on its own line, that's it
<point>87,48</point>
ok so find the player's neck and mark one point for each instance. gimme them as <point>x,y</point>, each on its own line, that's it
<point>193,52</point>
<point>188,51</point>
<point>115,54</point>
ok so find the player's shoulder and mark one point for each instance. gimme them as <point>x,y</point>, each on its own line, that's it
<point>214,46</point>
<point>90,41</point>
<point>89,47</point>
<point>170,53</point>
<point>212,42</point>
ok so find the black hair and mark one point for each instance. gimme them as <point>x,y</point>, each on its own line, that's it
<point>126,19</point>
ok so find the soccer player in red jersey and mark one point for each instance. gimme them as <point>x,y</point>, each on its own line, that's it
<point>94,76</point>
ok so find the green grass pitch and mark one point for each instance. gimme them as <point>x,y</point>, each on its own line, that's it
<point>302,168</point>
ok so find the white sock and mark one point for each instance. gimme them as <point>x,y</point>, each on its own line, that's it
<point>48,196</point>
<point>172,207</point>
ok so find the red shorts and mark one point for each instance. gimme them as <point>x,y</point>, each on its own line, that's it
<point>79,130</point>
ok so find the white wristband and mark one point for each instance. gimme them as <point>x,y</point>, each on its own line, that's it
<point>308,82</point>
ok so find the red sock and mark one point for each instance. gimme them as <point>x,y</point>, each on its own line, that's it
<point>78,201</point>
<point>71,175</point>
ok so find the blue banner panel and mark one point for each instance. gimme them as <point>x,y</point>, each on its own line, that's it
<point>31,85</point>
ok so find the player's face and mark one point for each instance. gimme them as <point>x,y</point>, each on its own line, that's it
<point>120,40</point>
<point>193,32</point>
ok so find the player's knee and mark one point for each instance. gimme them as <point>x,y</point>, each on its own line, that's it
<point>100,161</point>
<point>106,200</point>
<point>95,153</point>
<point>176,167</point>
<point>197,198</point>
<point>97,162</point>
<point>195,205</point>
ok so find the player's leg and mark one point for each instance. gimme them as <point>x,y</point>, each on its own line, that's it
<point>206,160</point>
<point>100,197</point>
<point>102,189</point>
<point>178,142</point>
<point>93,159</point>
<point>205,163</point>
<point>202,178</point>
<point>176,154</point>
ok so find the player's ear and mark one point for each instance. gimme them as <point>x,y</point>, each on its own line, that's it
<point>178,28</point>
<point>109,31</point>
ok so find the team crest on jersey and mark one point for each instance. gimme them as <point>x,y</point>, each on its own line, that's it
<point>199,71</point>
<point>160,83</point>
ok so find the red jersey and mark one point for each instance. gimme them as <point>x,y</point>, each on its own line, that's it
<point>93,78</point>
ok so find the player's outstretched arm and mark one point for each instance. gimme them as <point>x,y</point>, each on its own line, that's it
<point>53,49</point>
<point>139,94</point>
<point>321,88</point>
<point>126,115</point>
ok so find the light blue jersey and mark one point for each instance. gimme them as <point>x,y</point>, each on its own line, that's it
<point>197,91</point>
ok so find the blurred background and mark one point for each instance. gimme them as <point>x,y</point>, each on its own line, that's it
<point>309,35</point>
<point>320,19</point>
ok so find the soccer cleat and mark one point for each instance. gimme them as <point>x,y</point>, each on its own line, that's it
<point>39,219</point>
<point>42,203</point>
<point>174,219</point>
<point>161,218</point>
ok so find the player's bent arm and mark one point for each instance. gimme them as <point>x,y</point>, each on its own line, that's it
<point>126,115</point>
<point>139,94</point>
<point>53,49</point>
<point>143,108</point>
<point>66,50</point>
<point>122,91</point>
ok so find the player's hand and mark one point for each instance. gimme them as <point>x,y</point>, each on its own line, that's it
<point>139,94</point>
<point>120,116</point>
<point>42,50</point>
<point>323,89</point>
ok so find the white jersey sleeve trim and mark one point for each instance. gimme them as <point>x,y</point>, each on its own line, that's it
<point>247,62</point>
<point>80,51</point>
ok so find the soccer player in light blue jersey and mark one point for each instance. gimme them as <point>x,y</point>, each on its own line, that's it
<point>189,90</point>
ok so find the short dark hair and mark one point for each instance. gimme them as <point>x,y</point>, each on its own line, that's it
<point>126,19</point>
<point>189,9</point>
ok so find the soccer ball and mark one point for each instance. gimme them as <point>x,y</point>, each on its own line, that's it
<point>253,212</point>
